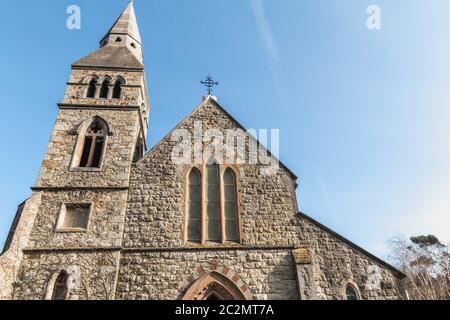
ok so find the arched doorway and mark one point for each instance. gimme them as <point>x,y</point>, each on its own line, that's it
<point>214,286</point>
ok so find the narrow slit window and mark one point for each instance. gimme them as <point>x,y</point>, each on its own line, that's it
<point>97,157</point>
<point>138,151</point>
<point>117,91</point>
<point>194,206</point>
<point>92,88</point>
<point>86,151</point>
<point>212,221</point>
<point>230,205</point>
<point>105,89</point>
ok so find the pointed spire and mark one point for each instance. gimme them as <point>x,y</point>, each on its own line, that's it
<point>121,46</point>
<point>126,24</point>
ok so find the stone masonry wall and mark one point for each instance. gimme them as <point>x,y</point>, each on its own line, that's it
<point>335,263</point>
<point>105,227</point>
<point>55,170</point>
<point>92,276</point>
<point>268,274</point>
<point>11,258</point>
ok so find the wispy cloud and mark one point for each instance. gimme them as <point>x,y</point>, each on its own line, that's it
<point>269,43</point>
<point>265,29</point>
<point>326,194</point>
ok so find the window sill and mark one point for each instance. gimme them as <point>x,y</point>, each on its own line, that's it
<point>210,244</point>
<point>79,169</point>
<point>104,99</point>
<point>71,230</point>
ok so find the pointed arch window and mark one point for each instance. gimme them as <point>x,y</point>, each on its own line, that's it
<point>194,206</point>
<point>92,88</point>
<point>212,205</point>
<point>351,293</point>
<point>60,288</point>
<point>104,90</point>
<point>117,90</point>
<point>91,144</point>
<point>230,205</point>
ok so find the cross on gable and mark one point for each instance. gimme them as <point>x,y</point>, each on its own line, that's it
<point>209,83</point>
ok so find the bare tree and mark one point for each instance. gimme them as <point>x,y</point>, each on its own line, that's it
<point>426,262</point>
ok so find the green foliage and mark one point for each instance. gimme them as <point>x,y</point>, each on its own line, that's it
<point>426,241</point>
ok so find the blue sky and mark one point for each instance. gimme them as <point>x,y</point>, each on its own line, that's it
<point>363,115</point>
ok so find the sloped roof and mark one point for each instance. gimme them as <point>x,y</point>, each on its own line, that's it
<point>111,57</point>
<point>397,272</point>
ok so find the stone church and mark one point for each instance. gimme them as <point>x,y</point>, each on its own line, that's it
<point>110,219</point>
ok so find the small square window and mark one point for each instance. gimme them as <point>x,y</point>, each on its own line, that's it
<point>74,217</point>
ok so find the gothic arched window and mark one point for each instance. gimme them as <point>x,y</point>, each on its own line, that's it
<point>212,210</point>
<point>212,219</point>
<point>92,88</point>
<point>230,205</point>
<point>105,88</point>
<point>93,144</point>
<point>351,293</point>
<point>194,206</point>
<point>60,288</point>
<point>117,91</point>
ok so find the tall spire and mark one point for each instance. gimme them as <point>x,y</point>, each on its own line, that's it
<point>126,24</point>
<point>120,47</point>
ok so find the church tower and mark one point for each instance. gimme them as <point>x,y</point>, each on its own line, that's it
<point>101,129</point>
<point>78,206</point>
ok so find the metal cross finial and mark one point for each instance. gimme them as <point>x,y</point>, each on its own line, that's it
<point>209,83</point>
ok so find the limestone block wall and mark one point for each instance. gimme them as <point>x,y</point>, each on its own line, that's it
<point>265,274</point>
<point>55,170</point>
<point>92,276</point>
<point>18,239</point>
